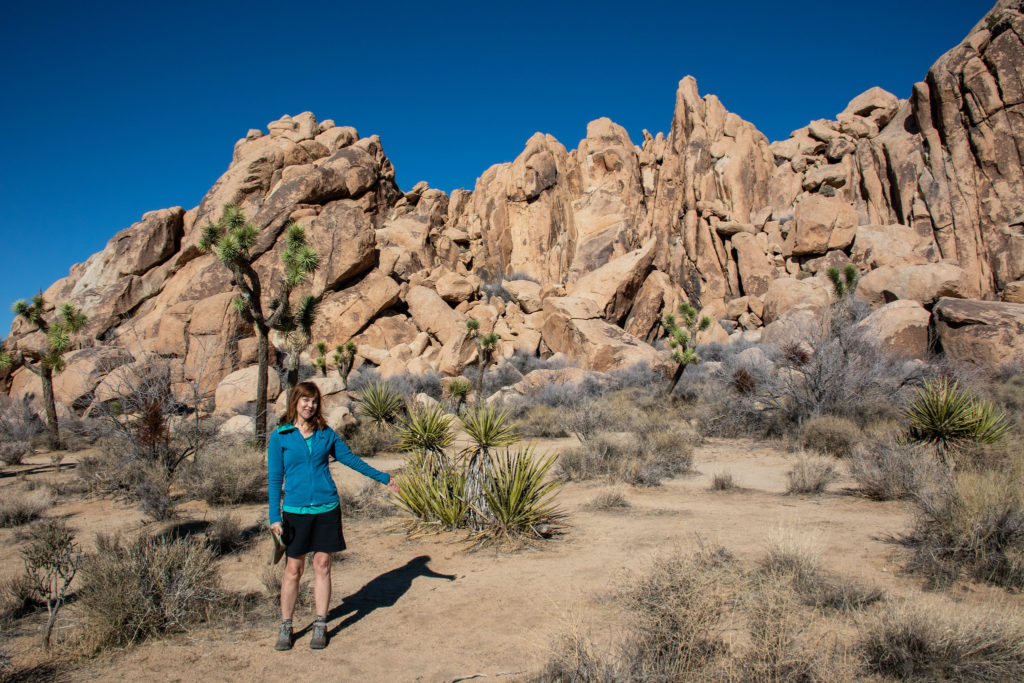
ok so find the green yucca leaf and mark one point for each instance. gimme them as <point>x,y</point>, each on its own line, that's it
<point>350,348</point>
<point>6,360</point>
<point>943,414</point>
<point>489,427</point>
<point>460,387</point>
<point>669,321</point>
<point>679,337</point>
<point>518,492</point>
<point>58,337</point>
<point>426,429</point>
<point>228,249</point>
<point>238,303</point>
<point>320,362</point>
<point>232,216</point>
<point>705,323</point>
<point>379,402</point>
<point>990,423</point>
<point>321,347</point>
<point>306,314</point>
<point>433,495</point>
<point>211,235</point>
<point>490,341</point>
<point>246,234</point>
<point>295,236</point>
<point>73,318</point>
<point>687,310</point>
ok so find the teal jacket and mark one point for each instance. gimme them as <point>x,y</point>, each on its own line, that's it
<point>304,474</point>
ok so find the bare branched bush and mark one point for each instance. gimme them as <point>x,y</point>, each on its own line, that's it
<point>831,435</point>
<point>641,460</point>
<point>21,507</point>
<point>51,561</point>
<point>810,475</point>
<point>17,597</point>
<point>371,502</point>
<point>14,452</point>
<point>366,440</point>
<point>918,644</point>
<point>232,474</point>
<point>575,659</point>
<point>163,586</point>
<point>887,468</point>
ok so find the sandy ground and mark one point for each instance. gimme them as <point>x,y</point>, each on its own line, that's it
<point>431,610</point>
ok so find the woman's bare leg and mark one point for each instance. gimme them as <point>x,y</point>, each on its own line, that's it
<point>321,583</point>
<point>293,567</point>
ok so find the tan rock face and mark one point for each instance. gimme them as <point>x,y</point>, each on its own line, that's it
<point>900,327</point>
<point>924,284</point>
<point>983,333</point>
<point>786,293</point>
<point>343,314</point>
<point>612,286</point>
<point>239,388</point>
<point>430,313</point>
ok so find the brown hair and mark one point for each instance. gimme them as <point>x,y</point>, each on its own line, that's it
<point>305,390</point>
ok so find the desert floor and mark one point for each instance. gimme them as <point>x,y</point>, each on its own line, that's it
<point>430,609</point>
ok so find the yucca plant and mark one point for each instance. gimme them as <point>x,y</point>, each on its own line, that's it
<point>321,358</point>
<point>458,390</point>
<point>380,403</point>
<point>427,431</point>
<point>488,428</point>
<point>946,416</point>
<point>436,498</point>
<point>519,494</point>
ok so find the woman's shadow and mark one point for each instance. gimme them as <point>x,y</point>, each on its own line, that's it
<point>383,591</point>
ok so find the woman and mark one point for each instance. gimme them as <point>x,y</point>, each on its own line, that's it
<point>309,519</point>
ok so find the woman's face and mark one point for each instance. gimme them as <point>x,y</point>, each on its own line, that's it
<point>307,407</point>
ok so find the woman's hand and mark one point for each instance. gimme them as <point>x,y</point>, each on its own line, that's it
<point>393,485</point>
<point>277,528</point>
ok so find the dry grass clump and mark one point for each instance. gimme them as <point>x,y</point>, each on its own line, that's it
<point>21,507</point>
<point>609,501</point>
<point>541,422</point>
<point>14,452</point>
<point>17,598</point>
<point>371,502</point>
<point>810,475</point>
<point>929,645</point>
<point>367,440</point>
<point>624,457</point>
<point>972,523</point>
<point>230,475</point>
<point>723,481</point>
<point>226,534</point>
<point>162,586</point>
<point>831,435</point>
<point>886,468</point>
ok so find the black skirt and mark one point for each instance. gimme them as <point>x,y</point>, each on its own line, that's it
<point>318,533</point>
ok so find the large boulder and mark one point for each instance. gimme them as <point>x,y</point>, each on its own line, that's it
<point>821,223</point>
<point>900,328</point>
<point>613,286</point>
<point>344,313</point>
<point>786,293</point>
<point>925,284</point>
<point>574,327</point>
<point>239,388</point>
<point>431,313</point>
<point>988,334</point>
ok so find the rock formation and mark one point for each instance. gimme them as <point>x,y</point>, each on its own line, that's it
<point>582,251</point>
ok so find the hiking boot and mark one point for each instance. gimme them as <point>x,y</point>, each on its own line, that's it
<point>284,638</point>
<point>319,639</point>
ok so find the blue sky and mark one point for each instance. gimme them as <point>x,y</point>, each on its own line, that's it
<point>112,109</point>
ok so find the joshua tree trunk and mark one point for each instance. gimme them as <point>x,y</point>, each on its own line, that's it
<point>263,358</point>
<point>676,376</point>
<point>291,375</point>
<point>46,376</point>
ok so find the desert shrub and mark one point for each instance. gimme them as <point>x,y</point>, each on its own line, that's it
<point>575,659</point>
<point>973,523</point>
<point>14,452</point>
<point>51,561</point>
<point>410,384</point>
<point>363,376</point>
<point>830,435</point>
<point>152,491</point>
<point>777,651</point>
<point>810,475</point>
<point>21,507</point>
<point>541,421</point>
<point>609,500</point>
<point>675,612</point>
<point>1006,390</point>
<point>371,502</point>
<point>163,586</point>
<point>526,362</point>
<point>639,376</point>
<point>641,459</point>
<point>366,440</point>
<point>18,422</point>
<point>913,644</point>
<point>230,475</point>
<point>505,374</point>
<point>226,534</point>
<point>723,481</point>
<point>17,597</point>
<point>887,469</point>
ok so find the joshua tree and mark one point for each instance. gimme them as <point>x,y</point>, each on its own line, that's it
<point>297,328</point>
<point>232,239</point>
<point>321,358</point>
<point>45,362</point>
<point>683,338</point>
<point>459,389</point>
<point>485,346</point>
<point>344,355</point>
